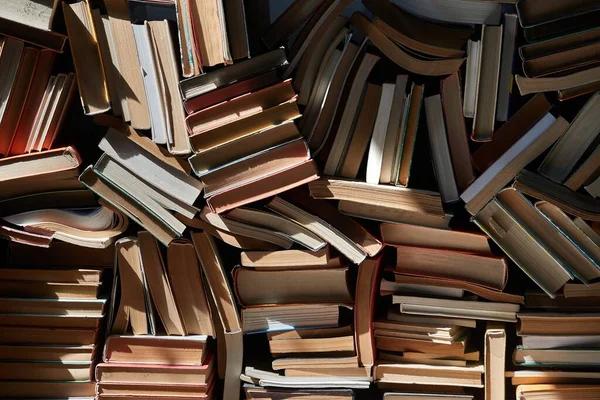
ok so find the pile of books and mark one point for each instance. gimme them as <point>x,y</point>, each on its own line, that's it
<point>159,323</point>
<point>53,305</point>
<point>345,200</point>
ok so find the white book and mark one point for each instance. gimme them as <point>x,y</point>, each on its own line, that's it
<point>528,139</point>
<point>472,78</point>
<point>158,121</point>
<point>375,157</point>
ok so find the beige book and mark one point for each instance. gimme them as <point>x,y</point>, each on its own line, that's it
<point>584,175</point>
<point>129,64</point>
<point>429,375</point>
<point>494,361</point>
<point>549,84</point>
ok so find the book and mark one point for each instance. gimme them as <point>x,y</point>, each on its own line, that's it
<point>556,357</point>
<point>39,15</point>
<point>489,13</point>
<point>570,147</point>
<point>541,136</point>
<point>394,136</point>
<point>558,44</point>
<point>564,82</point>
<point>282,317</point>
<point>487,87</point>
<point>287,258</point>
<point>557,324</point>
<point>169,350</point>
<point>320,286</point>
<point>494,361</point>
<point>429,375</point>
<point>440,151</point>
<point>44,38</point>
<point>505,80</point>
<point>91,78</point>
<point>380,129</point>
<point>585,172</point>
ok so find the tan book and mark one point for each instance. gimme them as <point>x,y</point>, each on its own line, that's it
<point>292,286</point>
<point>308,346</point>
<point>159,285</point>
<point>363,130</point>
<point>64,389</point>
<point>169,350</point>
<point>50,290</point>
<point>561,160</point>
<point>397,344</point>
<point>156,373</point>
<point>494,361</point>
<point>429,375</point>
<point>85,49</point>
<point>547,377</point>
<point>132,308</point>
<point>487,271</point>
<point>84,321</point>
<point>57,275</point>
<point>47,371</point>
<point>53,306</point>
<point>195,391</point>
<point>188,288</point>
<point>283,316</point>
<point>314,362</point>
<point>586,172</point>
<point>559,44</point>
<point>487,88</point>
<point>48,336</point>
<point>398,56</point>
<point>48,353</point>
<point>244,126</point>
<point>541,136</point>
<point>359,372</point>
<point>380,195</point>
<point>129,65</point>
<point>562,62</point>
<point>405,156</point>
<point>422,236</point>
<point>208,22</point>
<point>558,324</point>
<point>287,258</point>
<point>364,310</point>
<point>392,215</point>
<point>548,84</point>
<point>577,204</point>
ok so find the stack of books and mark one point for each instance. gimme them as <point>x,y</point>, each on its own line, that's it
<point>159,324</point>
<point>52,315</point>
<point>42,200</point>
<point>364,208</point>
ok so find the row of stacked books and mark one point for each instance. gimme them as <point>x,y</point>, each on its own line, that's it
<point>251,268</point>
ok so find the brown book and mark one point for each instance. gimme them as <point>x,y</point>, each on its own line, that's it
<point>586,172</point>
<point>362,132</point>
<point>65,389</point>
<point>577,204</point>
<point>511,131</point>
<point>188,288</point>
<point>57,199</point>
<point>203,162</point>
<point>380,195</point>
<point>335,341</point>
<point>156,373</point>
<point>559,44</point>
<point>261,166</point>
<point>239,107</point>
<point>456,131</point>
<point>47,371</point>
<point>159,286</point>
<point>285,258</point>
<point>195,391</point>
<point>293,16</point>
<point>48,353</point>
<point>40,37</point>
<point>558,324</point>
<point>168,350</point>
<point>364,310</point>
<point>549,84</point>
<point>129,64</point>
<point>561,62</point>
<point>570,93</point>
<point>39,81</point>
<point>208,24</point>
<point>47,336</point>
<point>412,374</point>
<point>539,138</point>
<point>422,236</point>
<point>16,100</point>
<point>572,145</point>
<point>487,88</point>
<point>265,187</point>
<point>85,49</point>
<point>61,254</point>
<point>398,56</point>
<point>491,272</point>
<point>237,29</point>
<point>244,126</point>
<point>132,308</point>
<point>232,91</point>
<point>90,321</point>
<point>420,34</point>
<point>50,290</point>
<point>347,226</point>
<point>481,291</point>
<point>52,306</point>
<point>534,13</point>
<point>392,215</point>
<point>422,346</point>
<point>58,275</point>
<point>406,155</point>
<point>317,286</point>
<point>39,172</point>
<point>334,371</point>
